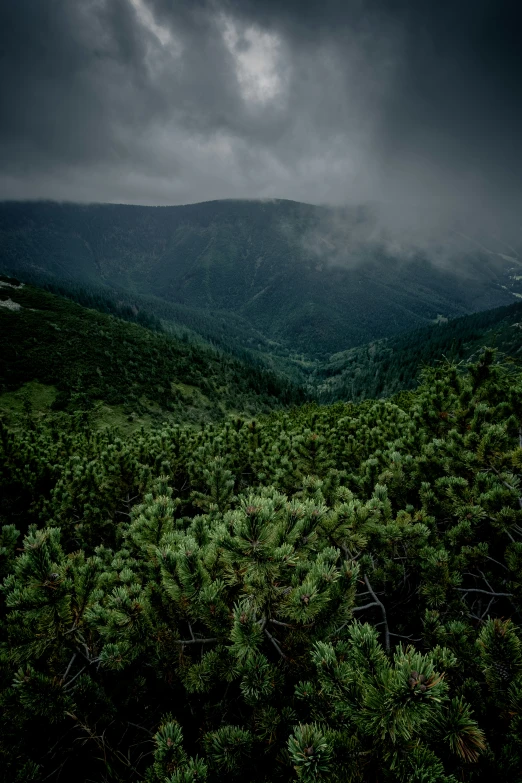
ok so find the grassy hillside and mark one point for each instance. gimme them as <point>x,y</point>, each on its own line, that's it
<point>88,357</point>
<point>285,269</point>
<point>384,367</point>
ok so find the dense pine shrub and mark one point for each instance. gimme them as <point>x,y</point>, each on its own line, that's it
<point>329,593</point>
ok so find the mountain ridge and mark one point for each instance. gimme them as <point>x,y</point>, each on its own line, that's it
<point>264,261</point>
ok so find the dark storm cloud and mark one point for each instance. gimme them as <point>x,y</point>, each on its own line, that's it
<point>415,104</point>
<point>447,125</point>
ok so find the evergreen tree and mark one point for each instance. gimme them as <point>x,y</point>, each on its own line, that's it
<point>328,593</point>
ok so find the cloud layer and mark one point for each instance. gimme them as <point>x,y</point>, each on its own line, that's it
<point>416,105</point>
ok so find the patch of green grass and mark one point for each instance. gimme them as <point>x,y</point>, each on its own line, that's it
<point>115,416</point>
<point>31,398</point>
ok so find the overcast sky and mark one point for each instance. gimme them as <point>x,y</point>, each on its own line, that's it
<point>413,103</point>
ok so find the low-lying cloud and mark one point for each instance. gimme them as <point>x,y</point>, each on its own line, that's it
<point>412,107</point>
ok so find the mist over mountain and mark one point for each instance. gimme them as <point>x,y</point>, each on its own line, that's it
<point>405,119</point>
<point>412,106</point>
<point>311,278</point>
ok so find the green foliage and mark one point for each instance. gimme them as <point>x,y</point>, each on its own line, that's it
<point>310,752</point>
<point>327,593</point>
<point>93,357</point>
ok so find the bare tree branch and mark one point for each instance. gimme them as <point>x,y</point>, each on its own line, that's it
<point>383,610</point>
<point>484,592</point>
<point>69,666</point>
<point>276,645</point>
<point>278,622</point>
<point>365,606</point>
<point>183,642</point>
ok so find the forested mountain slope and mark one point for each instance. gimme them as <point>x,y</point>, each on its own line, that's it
<point>88,357</point>
<point>384,367</point>
<point>85,357</point>
<point>285,267</point>
<point>222,330</point>
<point>329,594</point>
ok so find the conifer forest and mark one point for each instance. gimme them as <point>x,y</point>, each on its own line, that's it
<point>296,591</point>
